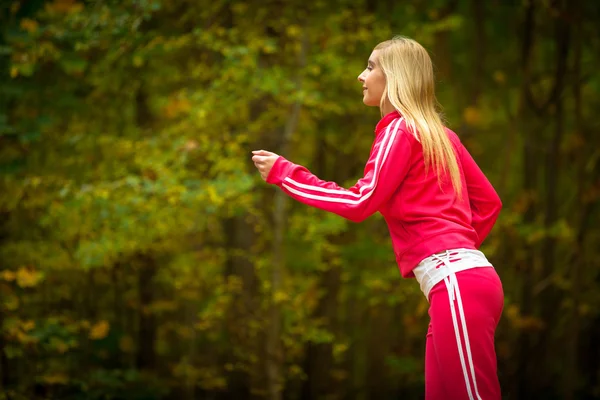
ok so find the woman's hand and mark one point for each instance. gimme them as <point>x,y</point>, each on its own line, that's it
<point>264,160</point>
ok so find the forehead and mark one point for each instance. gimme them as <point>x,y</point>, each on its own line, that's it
<point>373,57</point>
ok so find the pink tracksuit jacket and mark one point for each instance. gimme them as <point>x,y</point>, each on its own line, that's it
<point>423,216</point>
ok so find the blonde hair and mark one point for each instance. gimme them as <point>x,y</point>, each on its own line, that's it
<point>410,89</point>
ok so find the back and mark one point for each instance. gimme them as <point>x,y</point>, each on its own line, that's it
<point>425,216</point>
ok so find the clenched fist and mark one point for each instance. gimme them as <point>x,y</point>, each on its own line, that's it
<point>264,160</point>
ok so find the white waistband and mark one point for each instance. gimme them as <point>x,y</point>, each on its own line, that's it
<point>436,267</point>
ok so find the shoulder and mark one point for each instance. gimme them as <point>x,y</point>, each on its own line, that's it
<point>394,130</point>
<point>452,135</point>
<point>405,132</point>
<point>454,138</point>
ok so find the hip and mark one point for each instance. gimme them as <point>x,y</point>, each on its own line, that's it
<point>436,268</point>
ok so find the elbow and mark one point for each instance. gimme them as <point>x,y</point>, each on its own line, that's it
<point>356,218</point>
<point>357,215</point>
<point>498,205</point>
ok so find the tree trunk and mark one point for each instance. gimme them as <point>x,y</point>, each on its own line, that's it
<point>147,267</point>
<point>577,264</point>
<point>146,356</point>
<point>358,352</point>
<point>524,373</point>
<point>117,357</point>
<point>553,156</point>
<point>319,357</point>
<point>239,240</point>
<point>379,345</point>
<point>442,55</point>
<point>274,350</point>
<point>4,366</point>
<point>551,297</point>
<point>479,39</point>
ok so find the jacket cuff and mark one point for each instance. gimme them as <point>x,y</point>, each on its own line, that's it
<point>279,171</point>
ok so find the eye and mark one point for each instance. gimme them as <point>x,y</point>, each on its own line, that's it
<point>369,68</point>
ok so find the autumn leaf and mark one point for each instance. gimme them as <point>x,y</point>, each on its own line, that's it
<point>499,77</point>
<point>27,325</point>
<point>472,116</point>
<point>99,330</point>
<point>29,25</point>
<point>64,6</point>
<point>59,345</point>
<point>11,303</point>
<point>176,107</point>
<point>56,378</point>
<point>126,344</point>
<point>280,296</point>
<point>27,277</point>
<point>8,275</point>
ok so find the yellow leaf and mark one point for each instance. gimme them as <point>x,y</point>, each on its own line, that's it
<point>499,77</point>
<point>8,275</point>
<point>99,330</point>
<point>27,325</point>
<point>138,61</point>
<point>472,116</point>
<point>64,6</point>
<point>433,14</point>
<point>126,344</point>
<point>530,323</point>
<point>339,349</point>
<point>584,309</point>
<point>512,312</point>
<point>29,25</point>
<point>15,7</point>
<point>280,296</point>
<point>201,326</point>
<point>269,48</point>
<point>296,370</point>
<point>293,31</point>
<point>27,277</point>
<point>177,106</point>
<point>190,145</point>
<point>11,303</point>
<point>339,374</point>
<point>239,8</point>
<point>22,337</point>
<point>14,72</point>
<point>59,345</point>
<point>213,196</point>
<point>56,378</point>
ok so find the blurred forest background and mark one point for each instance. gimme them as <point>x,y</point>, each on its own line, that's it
<point>142,257</point>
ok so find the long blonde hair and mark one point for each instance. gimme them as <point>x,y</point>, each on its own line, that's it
<point>410,89</point>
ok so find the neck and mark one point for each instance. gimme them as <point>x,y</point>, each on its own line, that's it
<point>387,108</point>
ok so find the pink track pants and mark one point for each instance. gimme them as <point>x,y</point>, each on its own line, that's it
<point>460,359</point>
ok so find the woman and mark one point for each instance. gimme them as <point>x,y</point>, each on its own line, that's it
<point>439,208</point>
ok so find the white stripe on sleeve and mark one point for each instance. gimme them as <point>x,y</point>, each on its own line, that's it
<point>365,191</point>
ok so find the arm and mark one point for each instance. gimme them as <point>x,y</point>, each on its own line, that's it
<point>485,202</point>
<point>386,168</point>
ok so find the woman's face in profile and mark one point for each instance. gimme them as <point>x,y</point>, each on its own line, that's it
<point>373,80</point>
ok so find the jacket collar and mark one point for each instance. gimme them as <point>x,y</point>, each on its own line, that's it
<point>386,120</point>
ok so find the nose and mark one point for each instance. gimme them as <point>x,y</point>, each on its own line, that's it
<point>361,78</point>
